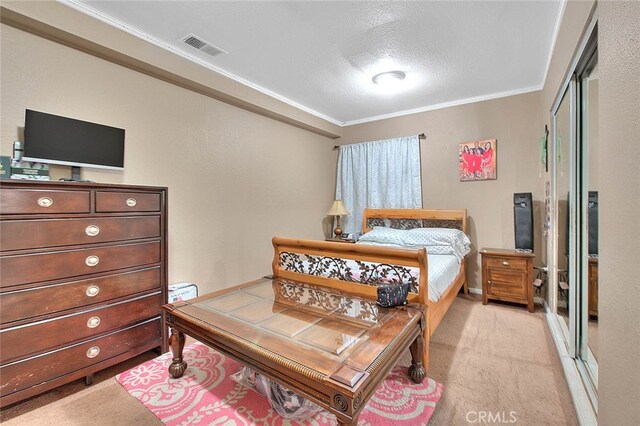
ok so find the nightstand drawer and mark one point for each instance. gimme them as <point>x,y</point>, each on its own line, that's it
<point>507,263</point>
<point>507,285</point>
<point>505,278</point>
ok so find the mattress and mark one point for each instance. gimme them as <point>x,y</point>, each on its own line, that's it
<point>443,269</point>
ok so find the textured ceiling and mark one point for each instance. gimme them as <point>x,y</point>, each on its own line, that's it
<point>321,55</point>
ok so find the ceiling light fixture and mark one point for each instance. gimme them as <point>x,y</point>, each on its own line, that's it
<point>389,78</point>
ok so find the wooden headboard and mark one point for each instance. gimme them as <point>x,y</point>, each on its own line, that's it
<point>414,218</point>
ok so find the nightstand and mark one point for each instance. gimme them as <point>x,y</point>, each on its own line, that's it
<point>340,240</point>
<point>507,275</point>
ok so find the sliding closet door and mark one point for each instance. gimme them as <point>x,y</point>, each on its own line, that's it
<point>575,253</point>
<point>563,169</point>
<point>589,206</point>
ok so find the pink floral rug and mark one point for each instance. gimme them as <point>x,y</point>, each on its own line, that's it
<point>206,395</point>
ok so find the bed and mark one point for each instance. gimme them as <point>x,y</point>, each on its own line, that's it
<point>358,268</point>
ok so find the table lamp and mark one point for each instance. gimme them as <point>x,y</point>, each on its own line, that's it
<point>337,209</point>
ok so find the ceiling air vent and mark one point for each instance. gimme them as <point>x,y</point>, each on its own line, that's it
<point>202,45</point>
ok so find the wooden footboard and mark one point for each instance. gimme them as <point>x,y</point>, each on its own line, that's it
<point>353,269</point>
<point>327,263</point>
<point>425,218</point>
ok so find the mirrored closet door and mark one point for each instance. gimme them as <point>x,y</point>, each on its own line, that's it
<point>574,283</point>
<point>564,136</point>
<point>589,80</point>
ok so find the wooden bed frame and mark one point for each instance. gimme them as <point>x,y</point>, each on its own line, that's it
<point>421,218</point>
<point>330,270</point>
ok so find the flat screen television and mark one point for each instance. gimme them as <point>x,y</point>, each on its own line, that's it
<point>54,139</point>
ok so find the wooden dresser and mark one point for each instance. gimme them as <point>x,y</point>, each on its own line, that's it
<point>83,273</point>
<point>507,275</point>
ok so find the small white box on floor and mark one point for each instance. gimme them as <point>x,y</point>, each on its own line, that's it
<point>182,291</point>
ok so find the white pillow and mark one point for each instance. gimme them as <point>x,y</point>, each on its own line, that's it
<point>440,241</point>
<point>437,236</point>
<point>381,234</point>
<point>436,240</point>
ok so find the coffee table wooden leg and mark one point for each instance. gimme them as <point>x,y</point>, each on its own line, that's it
<point>417,371</point>
<point>176,342</point>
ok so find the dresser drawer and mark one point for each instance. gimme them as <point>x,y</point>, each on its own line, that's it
<point>506,263</point>
<point>24,304</point>
<point>31,372</point>
<point>36,201</point>
<point>29,234</point>
<point>30,268</point>
<point>127,202</point>
<point>39,336</point>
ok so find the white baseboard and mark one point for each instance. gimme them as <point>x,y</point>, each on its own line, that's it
<point>536,299</point>
<point>584,410</point>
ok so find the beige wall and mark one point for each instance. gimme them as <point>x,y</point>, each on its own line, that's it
<point>235,178</point>
<point>514,122</point>
<point>574,20</point>
<point>617,179</point>
<point>619,335</point>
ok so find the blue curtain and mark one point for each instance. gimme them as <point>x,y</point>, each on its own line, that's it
<point>379,174</point>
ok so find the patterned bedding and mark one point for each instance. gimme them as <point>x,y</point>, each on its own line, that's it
<point>442,271</point>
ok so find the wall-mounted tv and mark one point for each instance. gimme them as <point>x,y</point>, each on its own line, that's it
<point>54,139</point>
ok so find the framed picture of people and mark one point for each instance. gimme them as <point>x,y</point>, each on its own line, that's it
<point>478,160</point>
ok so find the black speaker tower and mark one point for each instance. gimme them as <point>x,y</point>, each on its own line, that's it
<point>523,220</point>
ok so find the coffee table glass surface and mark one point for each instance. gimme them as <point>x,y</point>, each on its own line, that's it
<point>315,340</point>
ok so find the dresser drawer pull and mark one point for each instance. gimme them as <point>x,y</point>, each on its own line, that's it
<point>92,290</point>
<point>93,352</point>
<point>92,230</point>
<point>92,261</point>
<point>45,201</point>
<point>131,202</point>
<point>505,263</point>
<point>93,322</point>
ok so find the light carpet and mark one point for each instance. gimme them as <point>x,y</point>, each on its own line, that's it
<point>206,395</point>
<point>495,358</point>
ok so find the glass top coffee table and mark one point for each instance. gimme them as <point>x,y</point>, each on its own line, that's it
<point>330,347</point>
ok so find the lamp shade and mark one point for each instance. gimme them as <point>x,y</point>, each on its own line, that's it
<point>337,209</point>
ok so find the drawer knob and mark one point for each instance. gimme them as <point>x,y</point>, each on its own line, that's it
<point>92,261</point>
<point>92,230</point>
<point>92,290</point>
<point>93,322</point>
<point>505,263</point>
<point>131,202</point>
<point>45,201</point>
<point>93,352</point>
